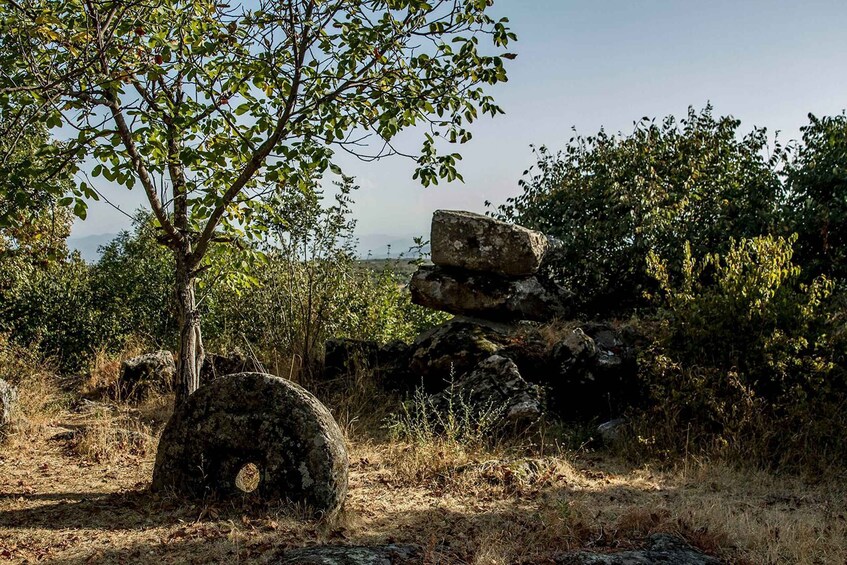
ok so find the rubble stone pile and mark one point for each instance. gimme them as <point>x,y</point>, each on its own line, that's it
<point>511,346</point>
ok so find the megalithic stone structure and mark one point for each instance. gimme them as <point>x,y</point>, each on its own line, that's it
<point>488,269</point>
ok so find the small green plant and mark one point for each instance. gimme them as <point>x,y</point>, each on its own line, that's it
<point>450,419</point>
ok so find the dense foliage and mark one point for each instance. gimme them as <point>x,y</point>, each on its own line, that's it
<point>612,199</point>
<point>728,253</point>
<point>747,356</point>
<point>816,185</point>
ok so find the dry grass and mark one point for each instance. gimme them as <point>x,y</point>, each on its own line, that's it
<point>102,378</point>
<point>74,490</point>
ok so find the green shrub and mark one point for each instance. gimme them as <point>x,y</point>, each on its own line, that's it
<point>816,207</point>
<point>133,288</point>
<point>745,356</point>
<point>612,199</point>
<point>51,307</point>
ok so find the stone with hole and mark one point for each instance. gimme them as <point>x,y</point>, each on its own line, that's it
<point>290,439</point>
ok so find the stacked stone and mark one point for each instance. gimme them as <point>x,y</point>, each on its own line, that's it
<point>492,274</point>
<point>488,269</point>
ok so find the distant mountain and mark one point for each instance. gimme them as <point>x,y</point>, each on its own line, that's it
<point>88,245</point>
<point>370,246</point>
<point>382,246</point>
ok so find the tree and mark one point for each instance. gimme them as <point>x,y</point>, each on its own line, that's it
<point>211,108</point>
<point>33,226</point>
<point>816,184</point>
<point>611,199</point>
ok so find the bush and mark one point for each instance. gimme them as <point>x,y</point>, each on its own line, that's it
<point>816,183</point>
<point>612,199</point>
<point>747,357</point>
<point>51,308</point>
<point>132,286</point>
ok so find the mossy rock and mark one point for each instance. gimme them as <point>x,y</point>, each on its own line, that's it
<point>259,419</point>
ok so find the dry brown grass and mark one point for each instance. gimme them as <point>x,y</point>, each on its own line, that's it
<point>102,378</point>
<point>491,508</point>
<point>74,490</point>
<point>40,390</point>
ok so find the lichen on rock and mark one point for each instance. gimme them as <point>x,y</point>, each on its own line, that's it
<point>261,419</point>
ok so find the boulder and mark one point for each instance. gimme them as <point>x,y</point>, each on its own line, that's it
<point>450,350</point>
<point>660,548</point>
<point>573,353</point>
<point>494,386</point>
<point>479,243</point>
<point>215,365</point>
<point>593,374</point>
<point>231,422</point>
<point>392,554</point>
<point>614,352</point>
<point>8,400</point>
<point>145,373</point>
<point>610,432</point>
<point>487,296</point>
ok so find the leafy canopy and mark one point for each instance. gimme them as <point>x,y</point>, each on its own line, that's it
<point>816,184</point>
<point>210,107</point>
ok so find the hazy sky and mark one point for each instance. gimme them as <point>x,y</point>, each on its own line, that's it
<point>608,63</point>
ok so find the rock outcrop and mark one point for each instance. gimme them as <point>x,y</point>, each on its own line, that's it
<point>661,548</point>
<point>582,379</point>
<point>145,373</point>
<point>254,418</point>
<point>498,351</point>
<point>392,554</point>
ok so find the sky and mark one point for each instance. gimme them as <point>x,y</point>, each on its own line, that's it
<point>606,63</point>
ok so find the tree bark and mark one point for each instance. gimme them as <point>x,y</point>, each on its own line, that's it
<point>191,352</point>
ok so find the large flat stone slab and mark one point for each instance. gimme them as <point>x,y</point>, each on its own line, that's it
<point>479,243</point>
<point>486,296</point>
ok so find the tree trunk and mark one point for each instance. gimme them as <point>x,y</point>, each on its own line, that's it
<point>191,353</point>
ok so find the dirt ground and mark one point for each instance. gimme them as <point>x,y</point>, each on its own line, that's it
<point>62,504</point>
